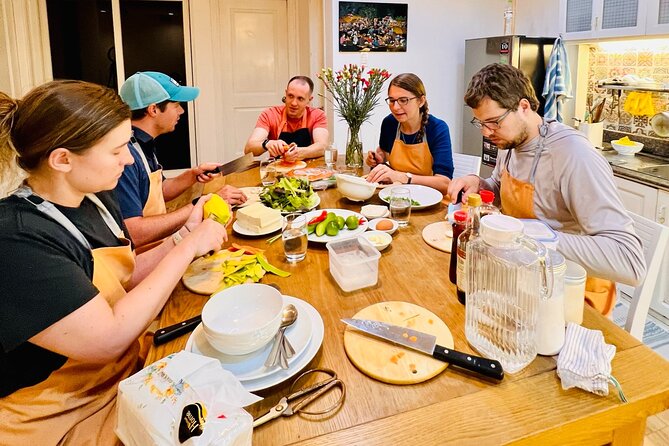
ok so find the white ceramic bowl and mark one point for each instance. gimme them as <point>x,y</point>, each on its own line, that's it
<point>243,318</point>
<point>380,240</point>
<point>355,188</point>
<point>373,223</point>
<point>627,150</point>
<point>372,211</point>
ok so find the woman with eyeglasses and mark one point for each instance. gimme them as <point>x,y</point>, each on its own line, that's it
<point>414,146</point>
<point>75,298</point>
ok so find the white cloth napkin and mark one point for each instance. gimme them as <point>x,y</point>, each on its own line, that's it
<point>585,361</point>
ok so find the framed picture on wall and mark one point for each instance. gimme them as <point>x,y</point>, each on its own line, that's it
<point>365,26</point>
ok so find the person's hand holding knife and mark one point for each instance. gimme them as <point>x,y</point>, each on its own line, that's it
<point>291,153</point>
<point>277,147</point>
<point>375,157</point>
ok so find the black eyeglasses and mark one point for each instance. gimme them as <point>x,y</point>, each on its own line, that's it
<point>491,124</point>
<point>402,100</point>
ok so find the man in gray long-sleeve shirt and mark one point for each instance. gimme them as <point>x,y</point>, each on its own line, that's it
<point>570,187</point>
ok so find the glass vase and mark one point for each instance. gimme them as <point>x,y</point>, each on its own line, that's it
<point>353,148</point>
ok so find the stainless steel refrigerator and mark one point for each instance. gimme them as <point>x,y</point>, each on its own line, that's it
<point>530,54</point>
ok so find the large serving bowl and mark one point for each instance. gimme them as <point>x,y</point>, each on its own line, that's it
<point>355,188</point>
<point>242,319</point>
<point>625,149</point>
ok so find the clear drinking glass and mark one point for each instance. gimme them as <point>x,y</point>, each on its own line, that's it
<point>331,156</point>
<point>267,172</point>
<point>294,237</point>
<point>400,205</point>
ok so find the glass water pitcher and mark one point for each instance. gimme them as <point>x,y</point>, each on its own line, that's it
<point>507,275</point>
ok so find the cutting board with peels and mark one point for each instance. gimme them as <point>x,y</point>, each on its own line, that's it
<point>388,362</point>
<point>199,277</point>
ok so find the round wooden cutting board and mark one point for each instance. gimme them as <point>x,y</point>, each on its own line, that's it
<point>439,235</point>
<point>388,362</point>
<point>199,277</point>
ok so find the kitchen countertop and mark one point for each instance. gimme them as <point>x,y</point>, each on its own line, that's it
<point>629,167</point>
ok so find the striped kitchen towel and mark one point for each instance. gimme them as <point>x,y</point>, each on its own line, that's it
<point>585,361</point>
<point>557,85</point>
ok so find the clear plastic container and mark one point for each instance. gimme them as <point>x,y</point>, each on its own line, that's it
<point>354,263</point>
<point>506,277</point>
<point>574,292</point>
<point>540,231</point>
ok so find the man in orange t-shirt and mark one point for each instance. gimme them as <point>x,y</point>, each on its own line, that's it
<point>294,122</point>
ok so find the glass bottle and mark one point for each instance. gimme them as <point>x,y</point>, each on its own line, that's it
<point>487,208</point>
<point>459,225</point>
<point>470,233</point>
<point>507,276</point>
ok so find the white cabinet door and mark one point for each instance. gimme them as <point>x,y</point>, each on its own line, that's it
<point>660,301</point>
<point>584,19</point>
<point>657,17</point>
<point>637,198</point>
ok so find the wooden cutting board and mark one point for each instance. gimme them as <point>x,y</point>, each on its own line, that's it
<point>387,362</point>
<point>439,235</point>
<point>199,277</point>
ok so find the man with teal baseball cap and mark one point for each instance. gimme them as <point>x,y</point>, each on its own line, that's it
<point>155,102</point>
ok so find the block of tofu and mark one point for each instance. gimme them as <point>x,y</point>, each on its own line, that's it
<point>258,218</point>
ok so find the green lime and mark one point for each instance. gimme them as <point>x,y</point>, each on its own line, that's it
<point>331,216</point>
<point>341,222</point>
<point>320,228</point>
<point>332,229</point>
<point>352,222</point>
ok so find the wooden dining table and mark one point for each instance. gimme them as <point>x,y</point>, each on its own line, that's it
<point>454,407</point>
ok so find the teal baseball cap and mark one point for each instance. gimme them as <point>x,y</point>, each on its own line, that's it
<point>151,87</point>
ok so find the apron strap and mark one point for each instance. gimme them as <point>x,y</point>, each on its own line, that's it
<point>49,209</point>
<point>284,121</point>
<point>543,131</point>
<point>398,135</point>
<point>138,149</point>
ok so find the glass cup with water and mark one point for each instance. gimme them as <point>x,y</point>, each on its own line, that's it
<point>294,237</point>
<point>267,172</point>
<point>400,205</point>
<point>331,156</point>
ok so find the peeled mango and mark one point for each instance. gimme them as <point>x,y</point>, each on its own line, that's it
<point>217,209</point>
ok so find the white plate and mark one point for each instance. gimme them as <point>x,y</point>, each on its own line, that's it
<point>239,230</point>
<point>424,195</point>
<point>344,233</point>
<point>252,366</point>
<point>372,225</point>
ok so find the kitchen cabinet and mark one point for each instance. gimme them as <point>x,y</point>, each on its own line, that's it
<point>585,19</point>
<point>660,302</point>
<point>637,198</point>
<point>657,17</point>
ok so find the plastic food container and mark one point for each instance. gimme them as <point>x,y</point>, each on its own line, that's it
<point>354,263</point>
<point>541,232</point>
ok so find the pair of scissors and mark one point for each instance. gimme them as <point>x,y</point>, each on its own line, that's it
<point>288,405</point>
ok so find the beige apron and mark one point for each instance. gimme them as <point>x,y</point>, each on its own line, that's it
<point>518,201</point>
<point>76,404</point>
<point>413,158</point>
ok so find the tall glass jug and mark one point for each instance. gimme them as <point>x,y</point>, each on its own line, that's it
<point>506,276</point>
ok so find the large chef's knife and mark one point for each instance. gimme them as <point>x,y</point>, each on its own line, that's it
<point>237,165</point>
<point>427,343</point>
<point>174,331</point>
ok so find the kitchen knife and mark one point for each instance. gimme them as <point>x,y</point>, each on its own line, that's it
<point>427,343</point>
<point>236,165</point>
<point>166,334</point>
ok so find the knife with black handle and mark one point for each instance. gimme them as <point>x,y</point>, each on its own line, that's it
<point>166,334</point>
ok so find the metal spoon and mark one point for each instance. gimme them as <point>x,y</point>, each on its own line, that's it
<point>288,318</point>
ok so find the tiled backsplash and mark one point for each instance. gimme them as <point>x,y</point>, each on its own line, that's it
<point>644,62</point>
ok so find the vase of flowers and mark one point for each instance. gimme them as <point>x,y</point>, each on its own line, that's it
<point>354,96</point>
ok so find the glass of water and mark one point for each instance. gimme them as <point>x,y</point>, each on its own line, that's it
<point>294,237</point>
<point>267,172</point>
<point>331,156</point>
<point>400,205</point>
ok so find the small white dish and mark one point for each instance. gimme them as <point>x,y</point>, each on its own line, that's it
<point>252,366</point>
<point>381,240</point>
<point>372,211</point>
<point>372,225</point>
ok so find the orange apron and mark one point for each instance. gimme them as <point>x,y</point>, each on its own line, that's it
<point>76,404</point>
<point>517,199</point>
<point>155,203</point>
<point>413,158</point>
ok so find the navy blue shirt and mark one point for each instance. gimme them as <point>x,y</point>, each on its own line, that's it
<point>132,189</point>
<point>438,139</point>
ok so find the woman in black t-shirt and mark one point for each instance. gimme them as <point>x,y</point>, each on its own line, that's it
<point>75,298</point>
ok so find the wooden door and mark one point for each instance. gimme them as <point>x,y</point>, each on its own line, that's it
<point>255,64</point>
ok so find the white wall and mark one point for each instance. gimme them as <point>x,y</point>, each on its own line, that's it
<point>436,36</point>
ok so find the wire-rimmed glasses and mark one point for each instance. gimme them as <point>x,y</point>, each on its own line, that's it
<point>490,124</point>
